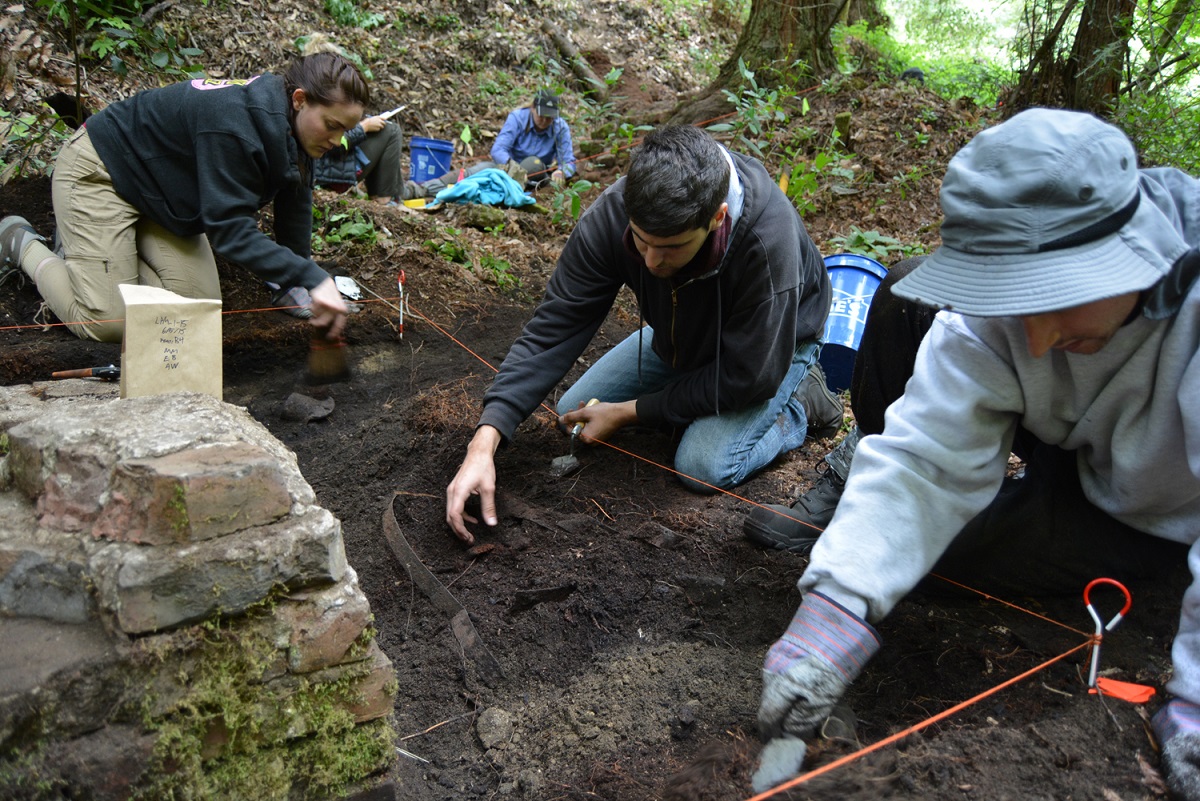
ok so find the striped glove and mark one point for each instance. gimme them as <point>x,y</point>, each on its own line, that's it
<point>805,673</point>
<point>811,665</point>
<point>1178,728</point>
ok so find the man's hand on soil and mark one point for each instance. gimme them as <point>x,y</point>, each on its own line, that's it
<point>476,476</point>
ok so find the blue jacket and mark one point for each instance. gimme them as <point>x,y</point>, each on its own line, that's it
<point>490,187</point>
<point>519,139</point>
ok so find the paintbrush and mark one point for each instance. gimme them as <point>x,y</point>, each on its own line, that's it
<point>327,359</point>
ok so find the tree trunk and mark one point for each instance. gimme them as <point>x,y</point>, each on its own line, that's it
<point>1041,80</point>
<point>1088,78</point>
<point>1099,55</point>
<point>778,33</point>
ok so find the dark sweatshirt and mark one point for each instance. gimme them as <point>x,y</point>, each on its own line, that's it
<point>728,322</point>
<point>203,156</point>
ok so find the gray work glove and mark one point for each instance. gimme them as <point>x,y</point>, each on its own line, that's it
<point>805,673</point>
<point>516,172</point>
<point>1178,728</point>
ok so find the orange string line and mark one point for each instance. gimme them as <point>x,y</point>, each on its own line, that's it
<point>886,741</point>
<point>1011,605</point>
<point>744,499</point>
<point>448,335</point>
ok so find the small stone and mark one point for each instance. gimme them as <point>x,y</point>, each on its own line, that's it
<point>494,727</point>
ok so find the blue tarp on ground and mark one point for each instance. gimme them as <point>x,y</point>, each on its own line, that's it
<point>489,187</point>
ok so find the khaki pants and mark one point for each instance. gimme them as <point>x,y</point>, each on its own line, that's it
<point>107,242</point>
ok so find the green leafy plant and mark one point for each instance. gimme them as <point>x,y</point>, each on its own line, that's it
<point>499,271</point>
<point>446,245</point>
<point>567,200</point>
<point>121,35</point>
<point>422,18</point>
<point>122,42</point>
<point>348,227</point>
<point>627,133</point>
<point>809,175</point>
<point>347,13</point>
<point>1162,125</point>
<point>26,142</point>
<point>446,23</point>
<point>759,112</point>
<point>874,245</point>
<point>465,138</point>
<point>905,182</point>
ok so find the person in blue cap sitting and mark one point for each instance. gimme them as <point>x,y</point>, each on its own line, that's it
<point>533,148</point>
<point>1069,334</point>
<point>539,140</point>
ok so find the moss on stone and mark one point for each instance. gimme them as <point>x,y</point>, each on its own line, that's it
<point>237,733</point>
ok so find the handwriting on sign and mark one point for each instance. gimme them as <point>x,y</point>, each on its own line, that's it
<point>172,334</point>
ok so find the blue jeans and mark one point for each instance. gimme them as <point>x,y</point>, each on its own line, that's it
<point>721,450</point>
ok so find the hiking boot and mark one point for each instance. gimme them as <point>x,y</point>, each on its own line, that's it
<point>823,409</point>
<point>795,528</point>
<point>15,234</point>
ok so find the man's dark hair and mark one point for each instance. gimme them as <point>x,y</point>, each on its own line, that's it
<point>677,180</point>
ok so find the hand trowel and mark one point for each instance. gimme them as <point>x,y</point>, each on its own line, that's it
<point>563,466</point>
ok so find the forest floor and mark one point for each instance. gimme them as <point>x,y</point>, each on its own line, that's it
<point>628,616</point>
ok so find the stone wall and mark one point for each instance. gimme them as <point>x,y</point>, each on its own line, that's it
<point>177,617</point>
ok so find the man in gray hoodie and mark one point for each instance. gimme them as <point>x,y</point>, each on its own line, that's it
<point>1070,333</point>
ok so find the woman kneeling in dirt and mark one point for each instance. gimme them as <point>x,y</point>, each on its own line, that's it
<point>153,185</point>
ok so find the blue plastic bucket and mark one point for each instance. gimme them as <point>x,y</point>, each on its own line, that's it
<point>430,158</point>
<point>855,279</point>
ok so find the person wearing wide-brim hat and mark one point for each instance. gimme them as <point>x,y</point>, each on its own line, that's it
<point>538,139</point>
<point>1060,320</point>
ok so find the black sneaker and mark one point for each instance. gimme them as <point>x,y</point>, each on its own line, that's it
<point>795,528</point>
<point>824,409</point>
